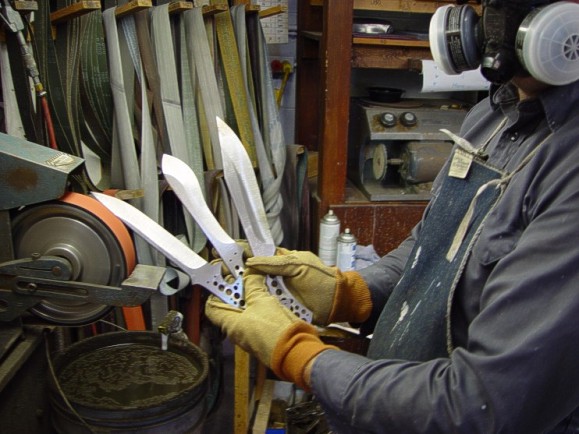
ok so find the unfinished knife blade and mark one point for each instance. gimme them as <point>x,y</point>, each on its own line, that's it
<point>199,270</point>
<point>186,186</point>
<point>242,184</point>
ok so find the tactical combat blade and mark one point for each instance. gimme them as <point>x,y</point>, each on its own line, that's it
<point>186,186</point>
<point>242,184</point>
<point>199,270</point>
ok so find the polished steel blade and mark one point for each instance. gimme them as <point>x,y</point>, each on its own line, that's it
<point>245,193</point>
<point>201,272</point>
<point>186,186</point>
<point>242,184</point>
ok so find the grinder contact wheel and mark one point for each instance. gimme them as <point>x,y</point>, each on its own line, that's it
<point>95,242</point>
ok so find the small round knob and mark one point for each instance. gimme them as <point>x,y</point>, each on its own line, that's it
<point>408,119</point>
<point>388,119</point>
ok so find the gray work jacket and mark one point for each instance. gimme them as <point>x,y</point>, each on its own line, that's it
<point>515,315</point>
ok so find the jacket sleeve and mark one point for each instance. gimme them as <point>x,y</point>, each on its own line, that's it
<point>517,370</point>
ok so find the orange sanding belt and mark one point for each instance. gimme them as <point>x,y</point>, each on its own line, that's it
<point>134,317</point>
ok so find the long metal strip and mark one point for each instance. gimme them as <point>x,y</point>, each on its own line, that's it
<point>12,119</point>
<point>67,46</point>
<point>171,100</point>
<point>147,169</point>
<point>270,182</point>
<point>151,74</point>
<point>26,104</point>
<point>203,63</point>
<point>95,95</point>
<point>234,78</point>
<point>272,129</point>
<point>50,70</point>
<point>193,137</point>
<point>209,107</point>
<point>123,122</point>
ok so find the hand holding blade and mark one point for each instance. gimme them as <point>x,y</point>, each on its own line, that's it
<point>242,184</point>
<point>199,270</point>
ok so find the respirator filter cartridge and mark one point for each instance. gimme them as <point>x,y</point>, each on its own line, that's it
<point>453,38</point>
<point>548,43</point>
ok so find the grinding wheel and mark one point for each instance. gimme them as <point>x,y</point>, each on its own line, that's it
<point>95,242</point>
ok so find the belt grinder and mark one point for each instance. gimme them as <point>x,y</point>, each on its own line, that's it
<point>64,257</point>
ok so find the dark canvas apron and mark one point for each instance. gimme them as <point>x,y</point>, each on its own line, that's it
<point>414,324</point>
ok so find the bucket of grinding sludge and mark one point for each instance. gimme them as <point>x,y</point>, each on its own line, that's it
<point>123,382</point>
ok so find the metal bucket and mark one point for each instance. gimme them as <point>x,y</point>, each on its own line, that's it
<point>123,382</point>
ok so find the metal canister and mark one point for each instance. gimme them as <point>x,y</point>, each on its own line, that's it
<point>329,232</point>
<point>346,251</point>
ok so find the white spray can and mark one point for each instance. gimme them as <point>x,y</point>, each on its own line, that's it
<point>346,251</point>
<point>329,232</point>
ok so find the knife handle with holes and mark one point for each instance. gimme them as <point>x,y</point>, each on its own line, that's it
<point>277,287</point>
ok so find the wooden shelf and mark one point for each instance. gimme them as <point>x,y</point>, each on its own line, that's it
<point>390,42</point>
<point>363,40</point>
<point>415,6</point>
<point>326,54</point>
<point>370,52</point>
<point>396,57</point>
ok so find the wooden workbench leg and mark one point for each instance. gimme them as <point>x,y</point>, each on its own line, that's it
<point>241,391</point>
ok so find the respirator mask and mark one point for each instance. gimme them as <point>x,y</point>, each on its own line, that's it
<point>512,37</point>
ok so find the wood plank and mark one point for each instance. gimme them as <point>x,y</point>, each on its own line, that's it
<point>132,7</point>
<point>74,10</point>
<point>375,56</point>
<point>179,6</point>
<point>335,103</point>
<point>270,12</point>
<point>210,10</point>
<point>241,391</point>
<point>416,6</point>
<point>263,409</point>
<point>23,5</point>
<point>391,42</point>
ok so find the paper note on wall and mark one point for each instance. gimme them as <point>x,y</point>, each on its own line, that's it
<point>275,28</point>
<point>435,80</point>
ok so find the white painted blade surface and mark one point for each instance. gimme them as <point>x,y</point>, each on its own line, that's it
<point>242,184</point>
<point>201,272</point>
<point>245,193</point>
<point>153,233</point>
<point>186,186</point>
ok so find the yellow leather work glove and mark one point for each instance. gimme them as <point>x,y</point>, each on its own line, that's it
<point>331,295</point>
<point>268,330</point>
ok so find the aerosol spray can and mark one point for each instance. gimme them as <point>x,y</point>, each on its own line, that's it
<point>346,251</point>
<point>329,232</point>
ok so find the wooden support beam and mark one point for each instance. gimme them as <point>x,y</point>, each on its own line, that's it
<point>241,391</point>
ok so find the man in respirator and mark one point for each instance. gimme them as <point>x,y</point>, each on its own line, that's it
<point>474,316</point>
